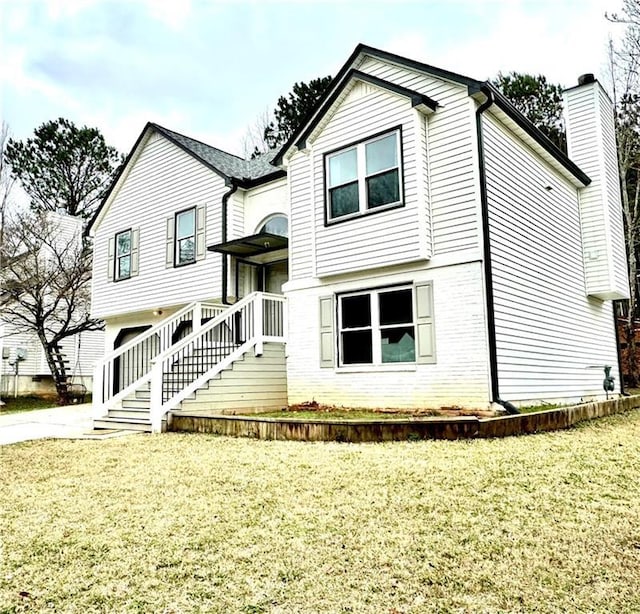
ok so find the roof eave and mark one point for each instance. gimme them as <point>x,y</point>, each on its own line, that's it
<point>484,91</point>
<point>227,178</point>
<point>252,182</point>
<point>89,230</point>
<point>358,52</point>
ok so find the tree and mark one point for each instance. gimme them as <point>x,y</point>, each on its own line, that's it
<point>253,143</point>
<point>63,167</point>
<point>46,283</point>
<point>538,100</point>
<point>289,113</point>
<point>624,64</point>
<point>6,182</point>
<point>630,16</point>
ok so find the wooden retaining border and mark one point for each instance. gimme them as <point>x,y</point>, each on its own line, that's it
<point>360,431</point>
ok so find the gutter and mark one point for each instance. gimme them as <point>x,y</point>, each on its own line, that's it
<point>488,272</point>
<point>225,263</point>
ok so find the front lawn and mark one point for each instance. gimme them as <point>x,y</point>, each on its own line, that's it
<point>181,523</point>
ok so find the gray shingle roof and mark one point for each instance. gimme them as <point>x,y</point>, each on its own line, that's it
<point>232,166</point>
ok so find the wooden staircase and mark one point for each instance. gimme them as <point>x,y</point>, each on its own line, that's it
<point>133,415</point>
<point>168,374</point>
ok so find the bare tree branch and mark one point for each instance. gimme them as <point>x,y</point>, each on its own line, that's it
<point>46,283</point>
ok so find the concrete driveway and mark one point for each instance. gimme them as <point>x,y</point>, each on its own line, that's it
<point>69,422</point>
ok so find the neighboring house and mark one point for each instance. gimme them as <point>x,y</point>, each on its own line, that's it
<point>30,374</point>
<point>440,252</point>
<point>82,352</point>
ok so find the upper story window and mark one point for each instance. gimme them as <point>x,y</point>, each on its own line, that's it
<point>277,225</point>
<point>123,254</point>
<point>185,239</point>
<point>185,243</point>
<point>364,177</point>
<point>122,263</point>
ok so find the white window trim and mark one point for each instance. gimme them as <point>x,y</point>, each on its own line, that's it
<point>118,257</point>
<point>177,239</point>
<point>361,161</point>
<point>376,331</point>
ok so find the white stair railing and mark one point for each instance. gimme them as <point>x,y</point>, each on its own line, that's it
<point>190,363</point>
<point>128,367</point>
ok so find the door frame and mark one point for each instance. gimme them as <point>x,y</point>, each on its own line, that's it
<point>261,272</point>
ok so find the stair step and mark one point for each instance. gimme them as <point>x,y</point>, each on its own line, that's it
<point>123,425</point>
<point>135,414</point>
<point>131,403</point>
<point>143,394</point>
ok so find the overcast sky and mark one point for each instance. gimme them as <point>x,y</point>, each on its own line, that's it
<point>208,68</point>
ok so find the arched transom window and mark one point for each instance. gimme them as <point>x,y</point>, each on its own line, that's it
<point>276,225</point>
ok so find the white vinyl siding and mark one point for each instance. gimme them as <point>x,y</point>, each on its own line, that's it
<point>384,237</point>
<point>552,340</point>
<point>82,351</point>
<point>441,211</point>
<point>252,383</point>
<point>260,204</point>
<point>162,181</point>
<point>591,144</point>
<point>301,220</point>
<point>451,158</point>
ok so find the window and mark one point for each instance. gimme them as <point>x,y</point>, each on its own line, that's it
<point>123,255</point>
<point>185,238</point>
<point>364,177</point>
<point>377,327</point>
<point>185,245</point>
<point>277,225</point>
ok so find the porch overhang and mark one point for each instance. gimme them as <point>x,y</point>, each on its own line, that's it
<point>251,246</point>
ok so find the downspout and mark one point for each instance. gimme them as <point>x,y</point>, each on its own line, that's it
<point>225,264</point>
<point>488,272</point>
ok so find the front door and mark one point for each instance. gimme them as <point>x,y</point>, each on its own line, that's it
<point>275,275</point>
<point>252,277</point>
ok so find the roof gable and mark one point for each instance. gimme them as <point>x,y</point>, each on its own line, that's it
<point>527,129</point>
<point>341,80</point>
<point>232,169</point>
<point>417,100</point>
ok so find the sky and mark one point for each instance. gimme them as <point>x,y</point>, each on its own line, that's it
<point>211,68</point>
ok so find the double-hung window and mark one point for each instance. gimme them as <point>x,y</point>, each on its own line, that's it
<point>377,327</point>
<point>123,254</point>
<point>122,263</point>
<point>364,177</point>
<point>185,243</point>
<point>185,238</point>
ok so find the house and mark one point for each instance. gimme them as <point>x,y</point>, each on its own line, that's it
<point>30,373</point>
<point>416,243</point>
<point>24,369</point>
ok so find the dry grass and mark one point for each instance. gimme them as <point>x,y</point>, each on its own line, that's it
<point>195,523</point>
